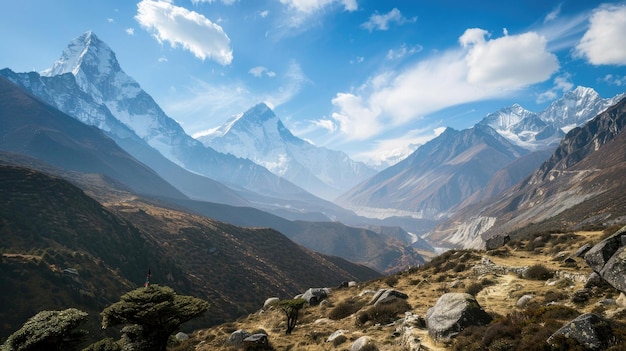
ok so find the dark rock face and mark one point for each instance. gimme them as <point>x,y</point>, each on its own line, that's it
<point>452,313</point>
<point>608,259</point>
<point>588,329</point>
<point>256,342</point>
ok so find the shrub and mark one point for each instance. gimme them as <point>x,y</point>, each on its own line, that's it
<point>345,308</point>
<point>474,288</point>
<point>391,280</point>
<point>383,313</point>
<point>538,272</point>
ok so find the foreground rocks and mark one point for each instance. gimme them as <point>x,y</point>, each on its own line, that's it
<point>452,313</point>
<point>608,259</point>
<point>590,330</point>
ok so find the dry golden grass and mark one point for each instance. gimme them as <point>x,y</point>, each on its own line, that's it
<point>424,286</point>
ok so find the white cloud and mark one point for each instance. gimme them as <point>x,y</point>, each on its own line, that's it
<point>110,20</point>
<point>554,14</point>
<point>403,51</point>
<point>614,80</point>
<point>189,29</point>
<point>225,2</point>
<point>310,6</point>
<point>130,31</point>
<point>264,14</point>
<point>391,99</point>
<point>604,43</point>
<point>358,59</point>
<point>162,59</point>
<point>258,72</point>
<point>399,147</point>
<point>562,84</point>
<point>381,22</point>
<point>508,62</point>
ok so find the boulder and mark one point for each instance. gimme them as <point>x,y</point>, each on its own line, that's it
<point>256,342</point>
<point>384,296</point>
<point>497,241</point>
<point>523,301</point>
<point>270,301</point>
<point>608,259</point>
<point>589,329</point>
<point>363,343</point>
<point>180,336</point>
<point>237,337</point>
<point>452,313</point>
<point>315,295</point>
<point>338,337</point>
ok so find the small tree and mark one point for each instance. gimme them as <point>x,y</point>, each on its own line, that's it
<point>152,314</point>
<point>291,309</point>
<point>49,330</point>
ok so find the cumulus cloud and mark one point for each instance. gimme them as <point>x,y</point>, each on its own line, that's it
<point>189,29</point>
<point>604,43</point>
<point>310,6</point>
<point>259,71</point>
<point>130,31</point>
<point>381,22</point>
<point>509,62</point>
<point>394,98</point>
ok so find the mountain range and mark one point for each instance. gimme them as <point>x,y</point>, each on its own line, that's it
<point>254,161</point>
<point>88,83</point>
<point>458,168</point>
<point>260,136</point>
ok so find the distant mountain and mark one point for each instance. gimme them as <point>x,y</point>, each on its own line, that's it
<point>583,183</point>
<point>88,83</point>
<point>436,177</point>
<point>544,130</point>
<point>62,248</point>
<point>260,136</point>
<point>32,127</point>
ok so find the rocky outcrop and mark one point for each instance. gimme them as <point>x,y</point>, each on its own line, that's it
<point>589,329</point>
<point>452,313</point>
<point>384,296</point>
<point>608,259</point>
<point>314,296</point>
<point>237,337</point>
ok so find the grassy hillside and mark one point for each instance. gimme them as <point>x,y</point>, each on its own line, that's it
<point>553,282</point>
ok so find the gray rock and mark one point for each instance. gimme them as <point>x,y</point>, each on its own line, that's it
<point>582,250</point>
<point>236,338</point>
<point>523,301</point>
<point>315,295</point>
<point>496,241</point>
<point>589,329</point>
<point>452,313</point>
<point>363,343</point>
<point>594,279</point>
<point>256,342</point>
<point>338,337</point>
<point>270,301</point>
<point>384,296</point>
<point>180,336</point>
<point>608,259</point>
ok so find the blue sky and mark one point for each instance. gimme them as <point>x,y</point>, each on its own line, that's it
<point>364,77</point>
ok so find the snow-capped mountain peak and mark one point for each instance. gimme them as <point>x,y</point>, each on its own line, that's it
<point>260,136</point>
<point>96,69</point>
